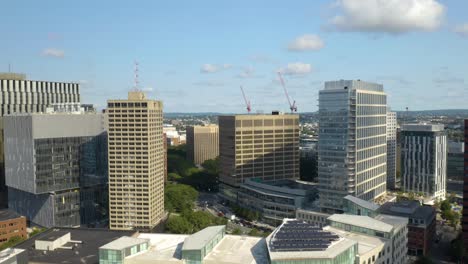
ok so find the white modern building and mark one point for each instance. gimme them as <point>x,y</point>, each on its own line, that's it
<point>424,159</point>
<point>391,149</point>
<point>352,147</point>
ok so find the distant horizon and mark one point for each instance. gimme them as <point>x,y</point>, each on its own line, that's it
<point>237,113</point>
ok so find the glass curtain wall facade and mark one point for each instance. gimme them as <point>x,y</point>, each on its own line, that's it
<point>352,147</point>
<point>424,160</point>
<point>18,95</point>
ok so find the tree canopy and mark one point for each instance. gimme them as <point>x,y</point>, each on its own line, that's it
<point>179,197</point>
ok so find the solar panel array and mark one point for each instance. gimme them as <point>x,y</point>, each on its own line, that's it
<point>297,235</point>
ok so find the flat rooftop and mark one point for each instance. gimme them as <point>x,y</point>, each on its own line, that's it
<point>54,235</point>
<point>239,249</point>
<point>167,249</point>
<point>124,242</point>
<point>365,243</point>
<point>423,127</point>
<point>86,253</point>
<point>202,237</point>
<point>6,214</point>
<point>361,221</point>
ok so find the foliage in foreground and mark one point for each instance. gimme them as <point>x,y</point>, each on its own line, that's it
<point>190,222</point>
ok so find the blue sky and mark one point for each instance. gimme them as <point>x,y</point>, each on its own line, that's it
<point>194,55</point>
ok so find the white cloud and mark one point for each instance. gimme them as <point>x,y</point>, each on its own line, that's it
<point>297,68</point>
<point>212,68</point>
<point>388,16</point>
<point>52,52</point>
<point>306,43</point>
<point>462,30</point>
<point>147,89</point>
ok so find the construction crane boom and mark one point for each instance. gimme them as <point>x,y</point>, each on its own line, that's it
<point>247,102</point>
<point>292,106</point>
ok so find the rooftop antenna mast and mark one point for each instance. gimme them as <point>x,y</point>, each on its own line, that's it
<point>136,77</point>
<point>247,102</point>
<point>292,106</point>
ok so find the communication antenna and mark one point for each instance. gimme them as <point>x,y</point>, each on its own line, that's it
<point>136,77</point>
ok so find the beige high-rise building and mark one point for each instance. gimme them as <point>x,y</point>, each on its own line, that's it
<point>202,143</point>
<point>265,147</point>
<point>136,162</point>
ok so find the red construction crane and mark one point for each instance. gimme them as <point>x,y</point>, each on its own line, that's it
<point>247,102</point>
<point>292,106</point>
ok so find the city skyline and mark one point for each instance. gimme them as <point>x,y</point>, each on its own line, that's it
<point>195,58</point>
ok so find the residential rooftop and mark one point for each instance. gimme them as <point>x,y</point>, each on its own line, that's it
<point>86,252</point>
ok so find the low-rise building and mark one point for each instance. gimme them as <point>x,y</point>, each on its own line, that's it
<point>390,230</point>
<point>276,200</point>
<point>347,239</point>
<point>69,245</point>
<point>421,224</point>
<point>11,225</point>
<point>209,246</point>
<point>296,241</point>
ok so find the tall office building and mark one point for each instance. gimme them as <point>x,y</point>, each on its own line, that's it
<point>424,159</point>
<point>455,160</point>
<point>202,143</point>
<point>265,147</point>
<point>464,221</point>
<point>352,146</point>
<point>136,162</point>
<point>18,95</point>
<point>391,149</point>
<point>56,168</point>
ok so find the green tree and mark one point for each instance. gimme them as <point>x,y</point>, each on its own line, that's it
<point>236,231</point>
<point>178,225</point>
<point>211,166</point>
<point>37,230</point>
<point>199,220</point>
<point>453,218</point>
<point>445,205</point>
<point>13,241</point>
<point>179,197</point>
<point>254,232</point>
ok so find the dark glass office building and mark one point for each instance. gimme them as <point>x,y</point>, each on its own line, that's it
<point>56,168</point>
